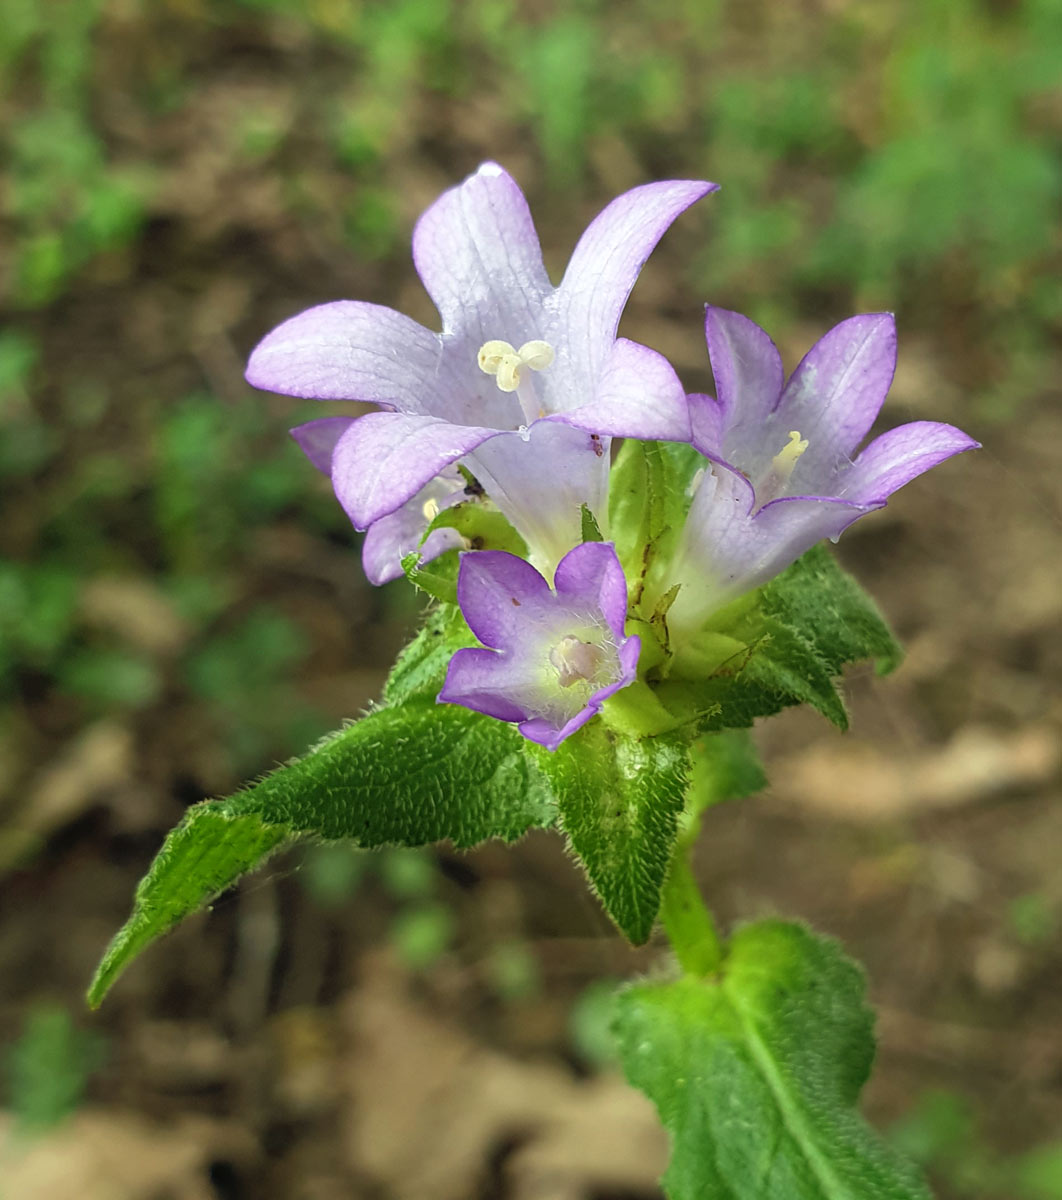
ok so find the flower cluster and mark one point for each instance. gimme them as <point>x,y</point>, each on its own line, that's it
<point>519,396</point>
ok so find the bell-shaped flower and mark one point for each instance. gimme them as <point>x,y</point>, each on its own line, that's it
<point>784,469</point>
<point>388,540</point>
<point>553,656</point>
<point>526,382</point>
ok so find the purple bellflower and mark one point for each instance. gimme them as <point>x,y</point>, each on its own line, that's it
<point>554,657</point>
<point>526,383</point>
<point>783,471</point>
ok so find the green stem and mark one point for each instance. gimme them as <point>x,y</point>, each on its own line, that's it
<point>687,921</point>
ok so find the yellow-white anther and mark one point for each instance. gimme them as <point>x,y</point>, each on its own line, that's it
<point>502,360</point>
<point>430,509</point>
<point>786,459</point>
<point>575,660</point>
<point>536,355</point>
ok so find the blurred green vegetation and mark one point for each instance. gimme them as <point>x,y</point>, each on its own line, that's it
<point>423,925</point>
<point>942,1133</point>
<point>47,1069</point>
<point>178,174</point>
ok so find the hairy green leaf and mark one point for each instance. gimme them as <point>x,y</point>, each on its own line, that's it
<point>421,667</point>
<point>406,776</point>
<point>725,766</point>
<point>784,645</point>
<point>821,600</point>
<point>756,1074</point>
<point>620,798</point>
<point>438,578</point>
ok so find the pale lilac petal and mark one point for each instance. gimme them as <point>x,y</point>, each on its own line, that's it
<point>501,596</point>
<point>348,350</point>
<point>639,396</point>
<point>706,424</point>
<point>384,548</point>
<point>391,538</point>
<point>784,529</point>
<point>729,550</point>
<point>898,456</point>
<point>592,571</point>
<point>540,479</point>
<point>746,365</point>
<point>385,458</point>
<point>479,258</point>
<point>605,263</point>
<point>835,394</point>
<point>486,682</point>
<point>317,439</point>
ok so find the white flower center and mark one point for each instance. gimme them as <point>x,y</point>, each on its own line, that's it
<point>575,661</point>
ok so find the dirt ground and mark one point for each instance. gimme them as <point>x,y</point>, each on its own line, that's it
<point>282,1048</point>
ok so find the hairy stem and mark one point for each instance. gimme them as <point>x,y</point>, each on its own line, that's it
<point>687,921</point>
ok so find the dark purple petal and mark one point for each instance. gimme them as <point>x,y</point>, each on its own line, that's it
<point>898,456</point>
<point>348,350</point>
<point>746,365</point>
<point>501,596</point>
<point>478,255</point>
<point>385,458</point>
<point>835,394</point>
<point>638,395</point>
<point>609,256</point>
<point>590,576</point>
<point>317,439</point>
<point>484,681</point>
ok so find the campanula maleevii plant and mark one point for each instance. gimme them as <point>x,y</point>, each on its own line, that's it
<point>783,470</point>
<point>554,656</point>
<point>614,682</point>
<point>521,374</point>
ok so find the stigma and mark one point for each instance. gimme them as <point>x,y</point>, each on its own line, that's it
<point>786,459</point>
<point>575,661</point>
<point>505,363</point>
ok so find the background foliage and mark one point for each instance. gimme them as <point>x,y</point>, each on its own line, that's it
<point>180,605</point>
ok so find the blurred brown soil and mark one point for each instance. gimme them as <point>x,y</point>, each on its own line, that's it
<point>269,1049</point>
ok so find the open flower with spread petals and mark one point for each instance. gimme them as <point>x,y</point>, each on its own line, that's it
<point>554,656</point>
<point>525,383</point>
<point>783,468</point>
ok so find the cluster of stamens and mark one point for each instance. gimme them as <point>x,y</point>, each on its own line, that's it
<point>505,363</point>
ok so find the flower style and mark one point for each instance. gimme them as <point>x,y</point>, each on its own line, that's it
<point>781,474</point>
<point>526,382</point>
<point>554,657</point>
